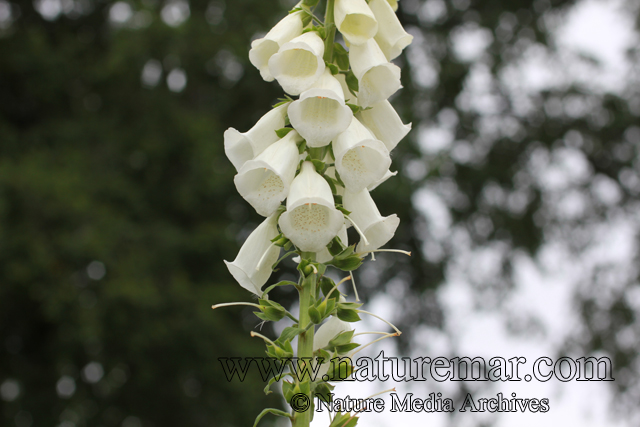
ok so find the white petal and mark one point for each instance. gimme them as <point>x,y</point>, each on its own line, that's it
<point>391,37</point>
<point>383,120</point>
<point>377,229</point>
<point>378,79</point>
<point>298,63</point>
<point>348,96</point>
<point>243,268</point>
<point>355,20</point>
<point>241,147</point>
<point>328,331</point>
<point>388,174</point>
<point>361,160</point>
<point>263,49</point>
<point>264,182</point>
<point>321,114</point>
<point>311,219</point>
<point>393,4</point>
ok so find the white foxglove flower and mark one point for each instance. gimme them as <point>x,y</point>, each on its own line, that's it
<point>321,114</point>
<point>377,229</point>
<point>361,159</point>
<point>298,63</point>
<point>378,79</point>
<point>388,174</point>
<point>241,147</point>
<point>328,331</point>
<point>355,20</point>
<point>263,49</point>
<point>264,181</point>
<point>324,255</point>
<point>391,36</point>
<point>252,266</point>
<point>311,219</point>
<point>383,120</point>
<point>393,4</point>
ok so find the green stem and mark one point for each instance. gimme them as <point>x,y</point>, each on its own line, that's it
<point>330,29</point>
<point>305,339</point>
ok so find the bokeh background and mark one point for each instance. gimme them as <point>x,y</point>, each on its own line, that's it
<point>518,193</point>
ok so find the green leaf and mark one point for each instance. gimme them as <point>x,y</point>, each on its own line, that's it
<point>283,132</point>
<point>276,412</point>
<point>289,333</point>
<point>314,315</point>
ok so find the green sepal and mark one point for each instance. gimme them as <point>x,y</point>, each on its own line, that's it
<point>343,349</point>
<point>319,165</point>
<point>338,177</point>
<point>349,263</point>
<point>343,371</point>
<point>314,315</point>
<point>286,247</point>
<point>322,355</point>
<point>343,210</point>
<point>302,146</point>
<point>287,390</point>
<point>332,183</point>
<point>333,68</point>
<point>336,246</point>
<point>326,284</point>
<point>276,412</point>
<point>323,391</point>
<point>306,19</point>
<point>341,56</point>
<point>282,101</point>
<point>282,132</point>
<point>347,315</point>
<point>274,380</point>
<point>271,310</point>
<point>352,82</point>
<point>289,333</point>
<point>344,420</point>
<point>341,339</point>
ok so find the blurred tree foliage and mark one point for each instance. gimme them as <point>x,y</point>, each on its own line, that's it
<point>117,205</point>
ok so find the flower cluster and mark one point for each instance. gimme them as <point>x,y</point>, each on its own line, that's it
<point>308,166</point>
<point>325,151</point>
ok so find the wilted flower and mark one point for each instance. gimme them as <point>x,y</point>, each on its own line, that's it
<point>364,213</point>
<point>263,49</point>
<point>361,159</point>
<point>383,120</point>
<point>264,181</point>
<point>298,63</point>
<point>252,266</point>
<point>311,219</point>
<point>241,147</point>
<point>378,79</point>
<point>355,20</point>
<point>321,114</point>
<point>391,36</point>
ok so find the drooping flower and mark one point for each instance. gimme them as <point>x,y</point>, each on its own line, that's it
<point>241,147</point>
<point>311,219</point>
<point>361,159</point>
<point>298,63</point>
<point>355,20</point>
<point>391,36</point>
<point>252,266</point>
<point>264,181</point>
<point>263,49</point>
<point>378,79</point>
<point>365,214</point>
<point>383,120</point>
<point>321,114</point>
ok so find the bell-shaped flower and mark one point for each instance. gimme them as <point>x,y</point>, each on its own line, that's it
<point>388,174</point>
<point>252,266</point>
<point>264,181</point>
<point>391,36</point>
<point>298,63</point>
<point>355,20</point>
<point>377,229</point>
<point>378,79</point>
<point>361,159</point>
<point>383,120</point>
<point>263,49</point>
<point>324,255</point>
<point>311,219</point>
<point>241,147</point>
<point>321,114</point>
